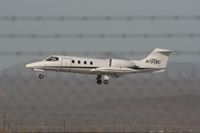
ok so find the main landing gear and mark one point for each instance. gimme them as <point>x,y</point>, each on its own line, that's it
<point>105,81</point>
<point>99,81</point>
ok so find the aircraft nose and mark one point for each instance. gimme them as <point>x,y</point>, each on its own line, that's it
<point>30,65</point>
<point>36,65</point>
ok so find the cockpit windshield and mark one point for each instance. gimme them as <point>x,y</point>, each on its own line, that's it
<point>52,59</point>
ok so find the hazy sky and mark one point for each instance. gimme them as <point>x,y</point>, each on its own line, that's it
<point>97,8</point>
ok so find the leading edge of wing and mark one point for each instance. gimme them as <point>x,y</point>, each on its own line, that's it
<point>122,70</point>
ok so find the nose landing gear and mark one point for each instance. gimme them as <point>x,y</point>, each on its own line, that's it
<point>41,76</point>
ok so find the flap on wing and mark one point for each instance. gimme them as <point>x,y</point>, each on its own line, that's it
<point>114,70</point>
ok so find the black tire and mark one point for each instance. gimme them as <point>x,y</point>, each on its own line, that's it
<point>106,82</point>
<point>41,76</point>
<point>99,82</point>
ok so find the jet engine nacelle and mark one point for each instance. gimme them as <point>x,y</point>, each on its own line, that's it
<point>122,63</point>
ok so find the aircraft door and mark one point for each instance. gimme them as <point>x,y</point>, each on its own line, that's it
<point>66,64</point>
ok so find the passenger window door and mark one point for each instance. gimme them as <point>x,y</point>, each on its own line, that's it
<point>66,64</point>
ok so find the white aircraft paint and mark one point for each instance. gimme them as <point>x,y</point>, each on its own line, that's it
<point>106,68</point>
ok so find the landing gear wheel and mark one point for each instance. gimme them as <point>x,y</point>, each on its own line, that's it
<point>41,76</point>
<point>99,82</point>
<point>106,79</point>
<point>106,82</point>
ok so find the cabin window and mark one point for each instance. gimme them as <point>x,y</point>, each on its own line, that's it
<point>79,62</point>
<point>52,59</point>
<point>73,61</point>
<point>85,62</point>
<point>91,63</point>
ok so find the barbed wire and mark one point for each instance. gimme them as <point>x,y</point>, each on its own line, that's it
<point>98,35</point>
<point>67,103</point>
<point>127,53</point>
<point>101,18</point>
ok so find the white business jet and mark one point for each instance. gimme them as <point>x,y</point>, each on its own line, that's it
<point>103,68</point>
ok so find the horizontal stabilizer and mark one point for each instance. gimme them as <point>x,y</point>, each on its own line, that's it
<point>160,71</point>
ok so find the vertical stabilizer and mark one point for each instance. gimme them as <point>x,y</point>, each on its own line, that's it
<point>157,59</point>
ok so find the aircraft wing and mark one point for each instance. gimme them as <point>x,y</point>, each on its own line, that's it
<point>38,70</point>
<point>113,71</point>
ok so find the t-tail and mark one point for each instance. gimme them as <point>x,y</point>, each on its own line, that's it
<point>156,62</point>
